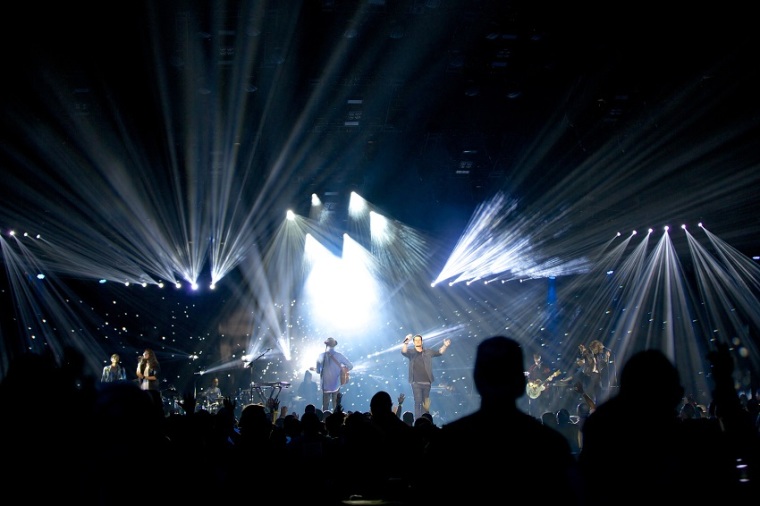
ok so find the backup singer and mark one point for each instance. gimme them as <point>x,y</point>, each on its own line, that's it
<point>114,371</point>
<point>148,370</point>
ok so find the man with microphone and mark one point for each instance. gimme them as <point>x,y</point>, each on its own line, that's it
<point>421,370</point>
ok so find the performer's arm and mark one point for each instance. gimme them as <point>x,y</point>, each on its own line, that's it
<point>405,344</point>
<point>446,343</point>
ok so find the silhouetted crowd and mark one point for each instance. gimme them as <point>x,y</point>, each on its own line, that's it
<point>68,436</point>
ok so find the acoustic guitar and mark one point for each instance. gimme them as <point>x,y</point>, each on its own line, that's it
<point>536,386</point>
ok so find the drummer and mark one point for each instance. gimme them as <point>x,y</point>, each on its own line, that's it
<point>213,395</point>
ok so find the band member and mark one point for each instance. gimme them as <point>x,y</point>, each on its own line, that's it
<point>329,366</point>
<point>593,364</point>
<point>539,388</point>
<point>421,371</point>
<point>148,370</point>
<point>213,395</point>
<point>114,371</point>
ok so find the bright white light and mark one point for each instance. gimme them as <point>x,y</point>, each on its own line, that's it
<point>308,356</point>
<point>212,286</point>
<point>666,228</point>
<point>40,276</point>
<point>102,281</point>
<point>683,226</point>
<point>290,215</point>
<point>177,285</point>
<point>379,229</point>
<point>342,292</point>
<point>357,206</point>
<point>194,286</point>
<point>315,200</point>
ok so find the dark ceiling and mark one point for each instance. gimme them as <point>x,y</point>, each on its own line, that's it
<point>426,108</point>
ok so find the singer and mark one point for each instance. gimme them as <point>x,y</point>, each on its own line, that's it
<point>148,370</point>
<point>593,364</point>
<point>421,371</point>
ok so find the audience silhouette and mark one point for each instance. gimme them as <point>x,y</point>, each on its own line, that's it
<point>89,440</point>
<point>635,444</point>
<point>500,448</point>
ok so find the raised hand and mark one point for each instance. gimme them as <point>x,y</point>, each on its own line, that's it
<point>188,403</point>
<point>721,361</point>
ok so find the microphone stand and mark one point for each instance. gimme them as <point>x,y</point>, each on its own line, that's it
<point>322,377</point>
<point>252,386</point>
<point>612,380</point>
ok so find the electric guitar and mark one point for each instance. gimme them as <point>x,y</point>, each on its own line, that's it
<point>536,386</point>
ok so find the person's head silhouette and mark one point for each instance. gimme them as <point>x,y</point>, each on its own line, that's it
<point>499,373</point>
<point>650,377</point>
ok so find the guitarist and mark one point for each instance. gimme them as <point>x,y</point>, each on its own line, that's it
<point>539,376</point>
<point>328,367</point>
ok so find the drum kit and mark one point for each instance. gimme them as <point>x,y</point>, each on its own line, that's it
<point>212,406</point>
<point>263,393</point>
